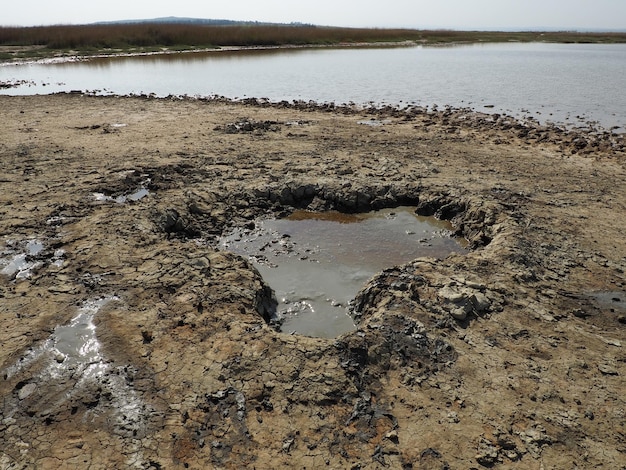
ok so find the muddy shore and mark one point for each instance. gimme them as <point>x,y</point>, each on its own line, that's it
<point>510,356</point>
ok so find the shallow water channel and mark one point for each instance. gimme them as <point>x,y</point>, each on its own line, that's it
<point>317,262</point>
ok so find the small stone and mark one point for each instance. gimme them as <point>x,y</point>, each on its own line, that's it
<point>613,342</point>
<point>488,455</point>
<point>458,313</point>
<point>579,313</point>
<point>60,358</point>
<point>26,390</point>
<point>475,285</point>
<point>481,302</point>
<point>287,443</point>
<point>451,295</point>
<point>392,436</point>
<point>147,337</point>
<point>607,370</point>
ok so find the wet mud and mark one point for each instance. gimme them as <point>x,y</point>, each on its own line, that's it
<point>131,339</point>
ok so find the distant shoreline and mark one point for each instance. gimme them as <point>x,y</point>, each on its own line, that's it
<point>19,44</point>
<point>77,56</point>
<point>50,56</point>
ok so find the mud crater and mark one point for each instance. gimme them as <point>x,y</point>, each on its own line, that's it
<point>318,261</point>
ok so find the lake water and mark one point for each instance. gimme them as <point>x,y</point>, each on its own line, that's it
<point>563,83</point>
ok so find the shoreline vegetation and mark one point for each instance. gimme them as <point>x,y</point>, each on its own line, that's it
<point>44,42</point>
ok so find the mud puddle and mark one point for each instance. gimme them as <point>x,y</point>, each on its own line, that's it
<point>76,343</point>
<point>70,369</point>
<point>72,347</point>
<point>132,197</point>
<point>375,122</point>
<point>317,262</point>
<point>20,259</point>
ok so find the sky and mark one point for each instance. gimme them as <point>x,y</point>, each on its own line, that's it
<point>421,14</point>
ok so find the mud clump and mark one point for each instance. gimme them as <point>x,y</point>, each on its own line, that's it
<point>244,125</point>
<point>506,356</point>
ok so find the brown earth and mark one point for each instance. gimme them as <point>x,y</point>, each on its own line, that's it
<point>498,358</point>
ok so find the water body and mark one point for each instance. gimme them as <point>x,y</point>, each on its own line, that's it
<point>563,83</point>
<point>317,262</point>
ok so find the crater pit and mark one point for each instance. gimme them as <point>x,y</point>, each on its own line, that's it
<point>316,262</point>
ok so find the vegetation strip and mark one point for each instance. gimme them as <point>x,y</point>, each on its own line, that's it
<point>47,41</point>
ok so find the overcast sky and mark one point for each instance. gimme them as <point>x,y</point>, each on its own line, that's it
<point>452,14</point>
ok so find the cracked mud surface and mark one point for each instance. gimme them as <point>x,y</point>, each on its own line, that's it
<point>510,356</point>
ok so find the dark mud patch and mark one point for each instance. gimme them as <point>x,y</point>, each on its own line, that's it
<point>245,125</point>
<point>14,83</point>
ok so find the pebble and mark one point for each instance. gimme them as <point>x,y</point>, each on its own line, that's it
<point>481,302</point>
<point>392,435</point>
<point>607,369</point>
<point>613,342</point>
<point>27,390</point>
<point>458,313</point>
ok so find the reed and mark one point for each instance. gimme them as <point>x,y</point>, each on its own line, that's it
<point>146,34</point>
<point>151,35</point>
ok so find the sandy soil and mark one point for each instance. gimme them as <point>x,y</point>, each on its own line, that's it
<point>509,357</point>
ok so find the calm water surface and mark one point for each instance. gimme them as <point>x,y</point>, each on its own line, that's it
<point>565,83</point>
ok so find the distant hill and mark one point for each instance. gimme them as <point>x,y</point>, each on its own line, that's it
<point>198,21</point>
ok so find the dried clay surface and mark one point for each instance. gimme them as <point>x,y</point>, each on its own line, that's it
<point>128,340</point>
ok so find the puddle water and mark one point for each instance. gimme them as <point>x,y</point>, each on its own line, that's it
<point>21,265</point>
<point>317,262</point>
<point>34,247</point>
<point>135,196</point>
<point>374,122</point>
<point>21,259</point>
<point>73,346</point>
<point>76,343</point>
<point>57,259</point>
<point>68,362</point>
